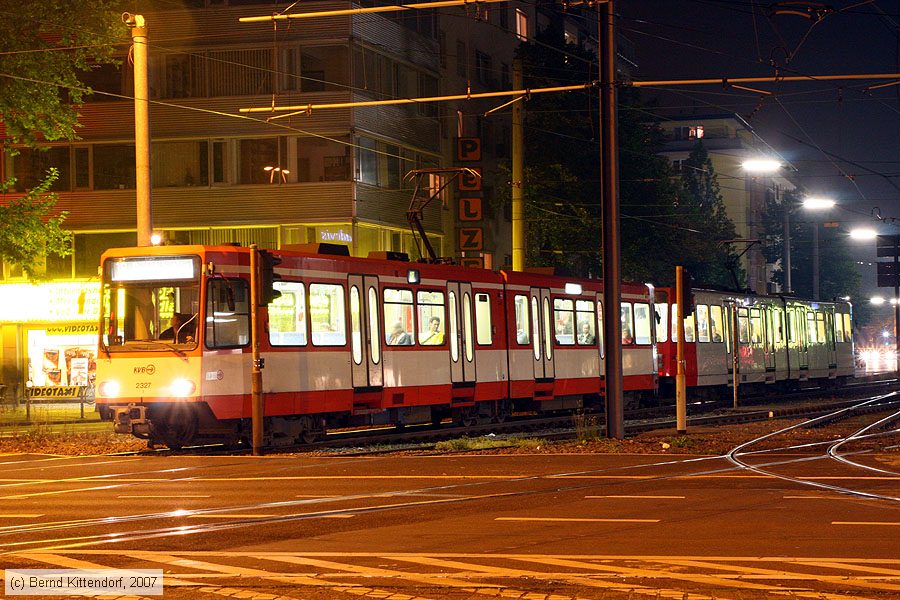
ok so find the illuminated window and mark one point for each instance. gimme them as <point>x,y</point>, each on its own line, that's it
<point>483,334</point>
<point>431,318</point>
<point>564,317</point>
<point>642,326</point>
<point>586,334</point>
<point>399,322</point>
<point>523,326</point>
<point>521,25</point>
<point>326,314</point>
<point>287,315</point>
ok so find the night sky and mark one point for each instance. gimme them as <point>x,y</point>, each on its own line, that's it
<point>676,39</point>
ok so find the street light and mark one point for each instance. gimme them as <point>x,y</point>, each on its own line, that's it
<point>770,166</point>
<point>863,233</point>
<point>877,300</point>
<point>816,203</point>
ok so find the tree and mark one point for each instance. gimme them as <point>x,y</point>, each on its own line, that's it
<point>27,232</point>
<point>46,49</point>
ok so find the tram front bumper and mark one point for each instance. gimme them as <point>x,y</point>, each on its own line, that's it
<point>131,419</point>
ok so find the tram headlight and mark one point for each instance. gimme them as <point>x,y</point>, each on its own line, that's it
<point>182,387</point>
<point>109,388</point>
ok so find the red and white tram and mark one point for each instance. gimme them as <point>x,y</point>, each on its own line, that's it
<point>348,341</point>
<point>781,341</point>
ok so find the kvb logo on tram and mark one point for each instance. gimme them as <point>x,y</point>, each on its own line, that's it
<point>148,370</point>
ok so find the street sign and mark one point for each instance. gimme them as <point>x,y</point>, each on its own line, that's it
<point>470,209</point>
<point>468,149</point>
<point>473,262</point>
<point>469,181</point>
<point>888,274</point>
<point>888,246</point>
<point>471,239</point>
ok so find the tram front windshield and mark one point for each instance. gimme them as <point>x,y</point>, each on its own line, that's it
<point>150,303</point>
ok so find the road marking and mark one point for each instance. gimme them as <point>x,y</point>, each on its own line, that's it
<point>701,578</point>
<point>576,520</point>
<point>577,580</point>
<point>820,497</point>
<point>55,492</point>
<point>886,523</point>
<point>257,516</point>
<point>642,497</point>
<point>165,496</point>
<point>706,564</point>
<point>67,562</point>
<point>21,515</point>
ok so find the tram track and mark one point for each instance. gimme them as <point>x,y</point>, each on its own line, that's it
<point>879,403</point>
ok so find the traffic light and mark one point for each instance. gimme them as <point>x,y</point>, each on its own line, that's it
<point>687,294</point>
<point>268,277</point>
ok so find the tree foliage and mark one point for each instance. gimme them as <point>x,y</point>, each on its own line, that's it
<point>27,233</point>
<point>45,49</point>
<point>666,220</point>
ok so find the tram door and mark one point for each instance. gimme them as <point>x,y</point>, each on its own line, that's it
<point>462,332</point>
<point>365,334</point>
<point>769,338</point>
<point>543,331</point>
<point>731,341</point>
<point>802,325</point>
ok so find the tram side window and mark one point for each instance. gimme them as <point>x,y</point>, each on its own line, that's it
<point>643,326</point>
<point>743,326</point>
<point>327,317</point>
<point>602,329</point>
<point>523,326</point>
<point>564,317</point>
<point>820,327</point>
<point>627,316</point>
<point>756,326</point>
<point>483,325</point>
<point>287,315</point>
<point>811,327</point>
<point>847,330</point>
<point>716,327</point>
<point>662,322</point>
<point>702,312</point>
<point>584,322</point>
<point>838,327</point>
<point>689,328</point>
<point>227,313</point>
<point>778,323</point>
<point>431,317</point>
<point>398,317</point>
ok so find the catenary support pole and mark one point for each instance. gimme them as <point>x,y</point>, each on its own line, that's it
<point>518,173</point>
<point>615,410</point>
<point>141,127</point>
<point>680,376</point>
<point>257,412</point>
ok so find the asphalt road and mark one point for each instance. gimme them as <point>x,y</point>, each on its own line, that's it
<point>472,526</point>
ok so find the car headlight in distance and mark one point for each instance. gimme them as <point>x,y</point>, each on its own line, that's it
<point>109,388</point>
<point>182,387</point>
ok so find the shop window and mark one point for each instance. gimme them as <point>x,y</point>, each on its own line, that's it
<point>326,314</point>
<point>227,313</point>
<point>114,167</point>
<point>564,317</point>
<point>523,329</point>
<point>287,315</point>
<point>398,317</point>
<point>483,325</point>
<point>431,318</point>
<point>642,324</point>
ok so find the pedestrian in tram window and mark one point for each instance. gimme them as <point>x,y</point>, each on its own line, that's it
<point>399,336</point>
<point>586,338</point>
<point>435,336</point>
<point>627,338</point>
<point>716,337</point>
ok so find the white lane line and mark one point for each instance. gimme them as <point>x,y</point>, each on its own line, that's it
<point>822,497</point>
<point>165,496</point>
<point>575,520</point>
<point>260,516</point>
<point>21,515</point>
<point>879,523</point>
<point>647,497</point>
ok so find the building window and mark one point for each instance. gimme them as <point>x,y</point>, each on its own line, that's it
<point>504,76</point>
<point>483,68</point>
<point>323,68</point>
<point>114,167</point>
<point>180,164</point>
<point>503,15</point>
<point>442,48</point>
<point>30,168</point>
<point>461,62</point>
<point>521,25</point>
<point>367,161</point>
<point>689,132</point>
<point>104,78</point>
<point>245,72</point>
<point>257,154</point>
<point>322,160</point>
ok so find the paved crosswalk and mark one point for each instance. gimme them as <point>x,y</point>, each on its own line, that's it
<point>265,575</point>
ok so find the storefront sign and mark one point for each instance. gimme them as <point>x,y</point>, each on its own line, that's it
<point>334,235</point>
<point>50,302</point>
<point>61,392</point>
